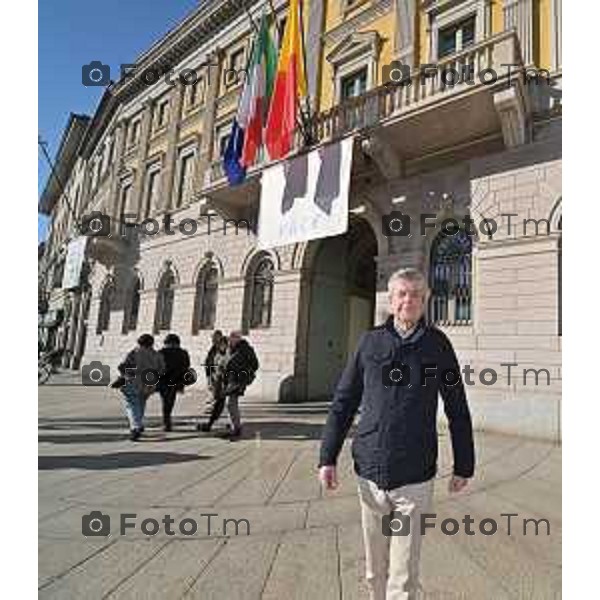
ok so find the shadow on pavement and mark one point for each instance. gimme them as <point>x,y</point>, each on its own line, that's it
<point>121,460</point>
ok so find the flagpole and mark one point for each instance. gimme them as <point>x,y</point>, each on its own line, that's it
<point>299,122</point>
<point>308,117</point>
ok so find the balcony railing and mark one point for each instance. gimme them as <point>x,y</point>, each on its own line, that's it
<point>490,64</point>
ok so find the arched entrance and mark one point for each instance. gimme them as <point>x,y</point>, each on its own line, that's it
<point>340,303</point>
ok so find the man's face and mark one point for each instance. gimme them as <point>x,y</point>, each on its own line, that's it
<point>407,300</point>
<point>234,340</point>
<point>216,338</point>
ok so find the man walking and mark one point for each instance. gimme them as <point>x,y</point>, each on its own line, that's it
<point>395,376</point>
<point>240,372</point>
<point>177,363</point>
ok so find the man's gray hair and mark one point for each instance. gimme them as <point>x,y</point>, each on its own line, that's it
<point>406,275</point>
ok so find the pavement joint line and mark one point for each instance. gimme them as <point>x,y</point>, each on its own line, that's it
<point>285,474</point>
<point>236,483</point>
<point>137,569</point>
<point>338,562</point>
<point>270,569</point>
<point>239,456</point>
<point>54,578</point>
<point>219,548</point>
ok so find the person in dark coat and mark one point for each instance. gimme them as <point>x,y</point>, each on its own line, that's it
<point>240,372</point>
<point>217,341</point>
<point>395,377</point>
<point>177,364</point>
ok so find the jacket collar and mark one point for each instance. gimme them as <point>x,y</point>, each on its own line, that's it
<point>416,334</point>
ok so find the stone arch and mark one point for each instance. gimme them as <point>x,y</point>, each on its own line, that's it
<point>555,216</point>
<point>251,257</point>
<point>166,267</point>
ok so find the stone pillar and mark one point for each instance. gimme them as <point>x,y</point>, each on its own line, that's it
<point>70,329</point>
<point>171,158</point>
<point>115,189</point>
<point>556,40</point>
<point>314,44</point>
<point>404,39</point>
<point>205,154</point>
<point>137,196</point>
<point>80,335</point>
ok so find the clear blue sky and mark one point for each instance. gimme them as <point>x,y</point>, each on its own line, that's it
<point>73,33</point>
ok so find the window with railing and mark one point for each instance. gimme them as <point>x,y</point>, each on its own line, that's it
<point>450,275</point>
<point>456,37</point>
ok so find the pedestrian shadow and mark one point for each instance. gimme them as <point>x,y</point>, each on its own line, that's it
<point>115,461</point>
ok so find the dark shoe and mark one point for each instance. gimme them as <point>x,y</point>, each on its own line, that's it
<point>135,435</point>
<point>142,429</point>
<point>205,427</point>
<point>235,434</point>
<point>168,427</point>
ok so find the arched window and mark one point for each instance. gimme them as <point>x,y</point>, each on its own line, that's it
<point>106,300</point>
<point>164,302</point>
<point>205,303</point>
<point>132,308</point>
<point>260,292</point>
<point>450,279</point>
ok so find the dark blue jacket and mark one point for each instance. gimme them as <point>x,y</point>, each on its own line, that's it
<point>396,383</point>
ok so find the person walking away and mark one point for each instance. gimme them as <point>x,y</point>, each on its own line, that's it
<point>395,377</point>
<point>177,363</point>
<point>209,365</point>
<point>240,372</point>
<point>142,368</point>
<point>219,360</point>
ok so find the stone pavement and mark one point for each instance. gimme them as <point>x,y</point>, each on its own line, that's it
<point>303,543</point>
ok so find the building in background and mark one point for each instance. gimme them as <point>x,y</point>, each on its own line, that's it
<point>485,147</point>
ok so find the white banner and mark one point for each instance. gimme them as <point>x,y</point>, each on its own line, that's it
<point>306,198</point>
<point>74,262</point>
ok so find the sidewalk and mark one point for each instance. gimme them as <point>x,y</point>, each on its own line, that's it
<point>302,545</point>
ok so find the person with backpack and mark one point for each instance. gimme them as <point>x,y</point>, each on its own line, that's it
<point>141,370</point>
<point>177,364</point>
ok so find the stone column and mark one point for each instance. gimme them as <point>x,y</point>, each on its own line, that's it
<point>70,342</point>
<point>556,29</point>
<point>115,190</point>
<point>205,154</point>
<point>404,38</point>
<point>314,44</point>
<point>137,195</point>
<point>171,157</point>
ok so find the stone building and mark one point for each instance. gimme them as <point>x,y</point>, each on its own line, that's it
<point>484,148</point>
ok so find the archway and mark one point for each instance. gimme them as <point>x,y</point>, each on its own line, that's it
<point>339,301</point>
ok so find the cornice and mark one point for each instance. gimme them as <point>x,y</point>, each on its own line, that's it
<point>344,29</point>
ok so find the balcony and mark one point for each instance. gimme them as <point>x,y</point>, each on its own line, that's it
<point>112,239</point>
<point>426,114</point>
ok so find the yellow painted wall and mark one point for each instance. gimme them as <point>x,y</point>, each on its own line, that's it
<point>542,32</point>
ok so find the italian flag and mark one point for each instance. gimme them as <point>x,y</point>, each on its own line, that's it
<point>289,88</point>
<point>247,130</point>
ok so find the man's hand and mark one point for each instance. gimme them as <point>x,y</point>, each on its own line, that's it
<point>328,477</point>
<point>457,483</point>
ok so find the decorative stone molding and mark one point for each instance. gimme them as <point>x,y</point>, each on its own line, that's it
<point>388,162</point>
<point>511,110</point>
<point>363,18</point>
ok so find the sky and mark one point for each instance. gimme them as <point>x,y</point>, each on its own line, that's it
<point>72,33</point>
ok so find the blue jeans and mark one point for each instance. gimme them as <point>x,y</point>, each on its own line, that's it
<point>135,405</point>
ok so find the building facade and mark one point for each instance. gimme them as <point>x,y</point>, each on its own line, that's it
<point>486,147</point>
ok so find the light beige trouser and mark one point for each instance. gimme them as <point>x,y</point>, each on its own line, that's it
<point>392,562</point>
